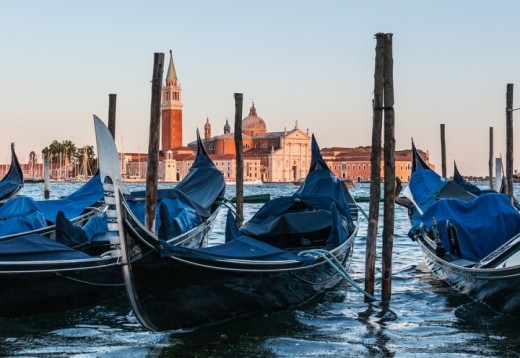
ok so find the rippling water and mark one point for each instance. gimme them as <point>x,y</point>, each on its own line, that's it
<point>430,317</point>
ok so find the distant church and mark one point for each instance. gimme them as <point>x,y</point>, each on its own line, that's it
<point>270,156</point>
<point>283,156</point>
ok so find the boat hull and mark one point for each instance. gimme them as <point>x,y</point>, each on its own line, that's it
<point>174,294</point>
<point>41,288</point>
<point>497,287</point>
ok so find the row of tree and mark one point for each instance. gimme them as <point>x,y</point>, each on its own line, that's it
<point>80,161</point>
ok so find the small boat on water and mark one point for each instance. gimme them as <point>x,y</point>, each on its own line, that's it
<point>12,182</point>
<point>299,181</point>
<point>470,240</point>
<point>246,182</point>
<point>288,253</point>
<point>349,183</point>
<point>253,199</point>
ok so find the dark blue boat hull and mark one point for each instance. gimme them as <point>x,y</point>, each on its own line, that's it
<point>174,294</point>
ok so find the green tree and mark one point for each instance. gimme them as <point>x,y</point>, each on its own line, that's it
<point>67,155</point>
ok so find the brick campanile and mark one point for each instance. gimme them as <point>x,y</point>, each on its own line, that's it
<point>171,110</point>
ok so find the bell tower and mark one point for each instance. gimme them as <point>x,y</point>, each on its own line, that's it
<point>171,110</point>
<point>207,129</point>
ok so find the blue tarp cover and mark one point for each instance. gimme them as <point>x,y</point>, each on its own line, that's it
<point>288,215</point>
<point>20,214</point>
<point>308,209</point>
<point>482,225</point>
<point>74,204</point>
<point>37,248</point>
<point>425,185</point>
<point>241,247</point>
<point>176,215</point>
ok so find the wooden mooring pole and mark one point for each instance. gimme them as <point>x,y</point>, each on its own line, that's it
<point>239,97</point>
<point>152,170</point>
<point>389,187</point>
<point>509,140</point>
<point>46,190</point>
<point>112,99</point>
<point>490,163</point>
<point>443,151</point>
<point>375,168</point>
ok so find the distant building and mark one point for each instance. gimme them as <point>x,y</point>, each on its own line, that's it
<point>171,110</point>
<point>354,163</point>
<point>282,156</point>
<point>270,156</point>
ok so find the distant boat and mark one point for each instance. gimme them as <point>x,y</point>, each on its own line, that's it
<point>349,183</point>
<point>246,182</point>
<point>33,180</point>
<point>13,180</point>
<point>251,199</point>
<point>299,181</point>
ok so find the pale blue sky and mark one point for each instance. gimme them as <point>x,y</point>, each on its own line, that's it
<point>311,61</point>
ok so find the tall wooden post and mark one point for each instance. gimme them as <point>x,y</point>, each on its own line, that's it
<point>112,99</point>
<point>389,187</point>
<point>509,140</point>
<point>152,170</point>
<point>239,159</point>
<point>443,151</point>
<point>375,168</point>
<point>46,190</point>
<point>490,163</point>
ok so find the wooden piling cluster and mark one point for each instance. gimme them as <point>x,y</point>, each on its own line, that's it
<point>383,104</point>
<point>375,169</point>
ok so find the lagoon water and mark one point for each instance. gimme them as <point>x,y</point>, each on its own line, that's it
<point>431,318</point>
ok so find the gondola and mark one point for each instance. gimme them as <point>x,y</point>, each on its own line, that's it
<point>470,241</point>
<point>77,266</point>
<point>13,180</point>
<point>288,253</point>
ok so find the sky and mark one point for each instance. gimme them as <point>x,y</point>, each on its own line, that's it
<point>311,61</point>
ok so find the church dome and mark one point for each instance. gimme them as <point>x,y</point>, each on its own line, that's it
<point>252,124</point>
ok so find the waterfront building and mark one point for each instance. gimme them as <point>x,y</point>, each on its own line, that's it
<point>354,163</point>
<point>281,156</point>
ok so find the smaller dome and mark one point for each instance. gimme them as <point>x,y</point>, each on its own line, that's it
<point>252,124</point>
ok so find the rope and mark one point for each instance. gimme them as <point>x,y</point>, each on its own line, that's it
<point>228,204</point>
<point>362,211</point>
<point>336,265</point>
<point>91,283</point>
